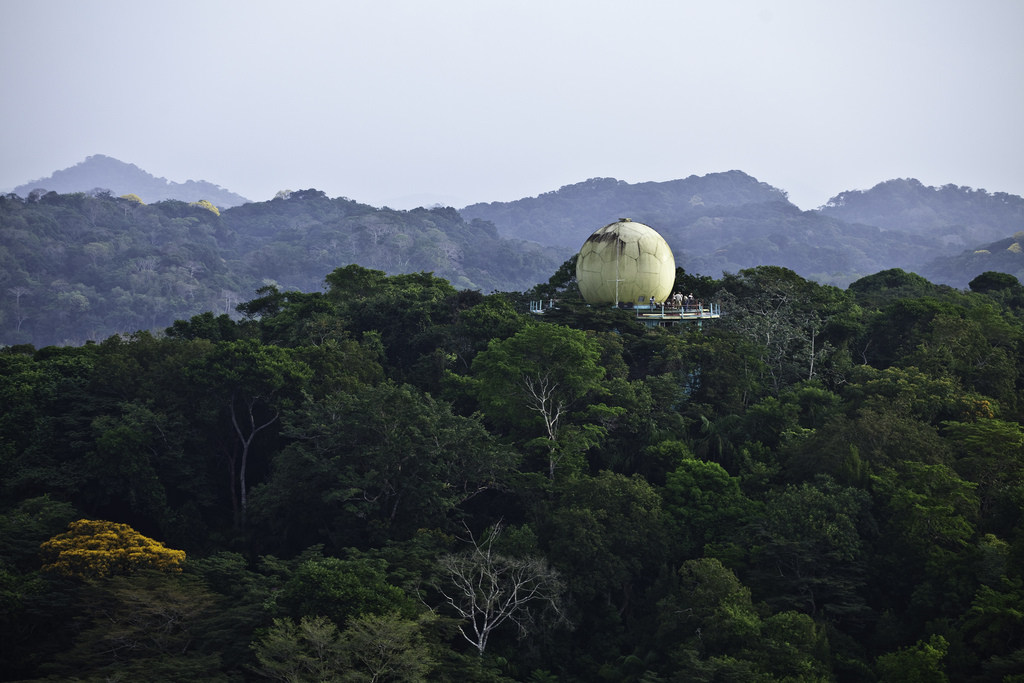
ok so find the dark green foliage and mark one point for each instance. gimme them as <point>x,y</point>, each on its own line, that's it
<point>990,281</point>
<point>141,627</point>
<point>378,463</point>
<point>807,550</point>
<point>606,534</point>
<point>705,505</point>
<point>822,485</point>
<point>342,590</point>
<point>887,285</point>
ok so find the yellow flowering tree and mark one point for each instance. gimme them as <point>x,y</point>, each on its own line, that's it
<point>97,548</point>
<point>206,204</point>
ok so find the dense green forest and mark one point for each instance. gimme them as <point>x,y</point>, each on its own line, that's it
<point>399,479</point>
<point>77,267</point>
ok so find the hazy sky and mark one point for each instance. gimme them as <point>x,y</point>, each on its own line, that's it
<point>462,101</point>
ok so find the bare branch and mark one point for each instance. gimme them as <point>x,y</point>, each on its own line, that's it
<point>487,588</point>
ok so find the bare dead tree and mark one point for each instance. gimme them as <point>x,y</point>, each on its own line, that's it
<point>487,588</point>
<point>193,267</point>
<point>230,297</point>
<point>17,293</point>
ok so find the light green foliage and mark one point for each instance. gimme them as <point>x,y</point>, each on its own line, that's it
<point>715,633</point>
<point>995,619</point>
<point>716,604</point>
<point>343,589</point>
<point>793,646</point>
<point>387,648</point>
<point>978,350</point>
<point>932,509</point>
<point>991,455</point>
<point>538,375</point>
<point>384,649</point>
<point>539,378</point>
<point>919,663</point>
<point>705,505</point>
<point>311,651</point>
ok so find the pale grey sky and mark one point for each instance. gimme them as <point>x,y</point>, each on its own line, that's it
<point>463,101</point>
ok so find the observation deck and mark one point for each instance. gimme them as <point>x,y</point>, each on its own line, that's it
<point>657,315</point>
<point>660,315</point>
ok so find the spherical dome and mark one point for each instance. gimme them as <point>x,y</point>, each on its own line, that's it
<point>632,254</point>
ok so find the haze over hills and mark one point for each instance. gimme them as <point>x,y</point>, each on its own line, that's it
<point>729,221</point>
<point>85,266</point>
<point>714,223</point>
<point>77,263</point>
<point>963,215</point>
<point>103,172</point>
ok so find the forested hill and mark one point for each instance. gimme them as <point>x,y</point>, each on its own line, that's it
<point>728,221</point>
<point>958,215</point>
<point>569,215</point>
<point>106,173</point>
<point>1004,256</point>
<point>394,480</point>
<point>84,266</point>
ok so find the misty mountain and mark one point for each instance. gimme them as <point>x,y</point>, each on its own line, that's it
<point>957,215</point>
<point>729,221</point>
<point>570,214</point>
<point>82,265</point>
<point>1002,256</point>
<point>103,172</point>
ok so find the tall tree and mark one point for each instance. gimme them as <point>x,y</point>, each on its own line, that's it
<point>538,378</point>
<point>251,383</point>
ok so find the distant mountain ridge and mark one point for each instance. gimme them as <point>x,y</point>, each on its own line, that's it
<point>729,221</point>
<point>963,215</point>
<point>717,222</point>
<point>1002,256</point>
<point>567,216</point>
<point>103,172</point>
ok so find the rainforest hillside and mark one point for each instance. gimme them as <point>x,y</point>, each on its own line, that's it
<point>398,479</point>
<point>85,266</point>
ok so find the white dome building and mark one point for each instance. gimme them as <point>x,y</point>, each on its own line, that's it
<point>625,262</point>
